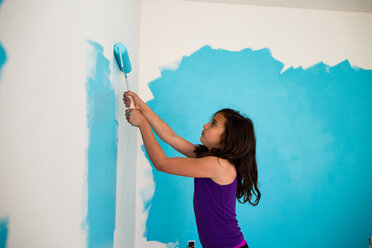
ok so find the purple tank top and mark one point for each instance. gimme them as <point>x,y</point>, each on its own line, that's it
<point>214,207</point>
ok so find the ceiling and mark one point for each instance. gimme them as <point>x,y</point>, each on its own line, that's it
<point>339,5</point>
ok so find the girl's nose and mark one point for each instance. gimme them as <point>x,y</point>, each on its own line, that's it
<point>204,126</point>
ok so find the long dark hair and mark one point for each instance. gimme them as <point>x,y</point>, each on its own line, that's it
<point>239,148</point>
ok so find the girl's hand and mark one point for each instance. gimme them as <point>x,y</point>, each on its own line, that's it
<point>128,96</point>
<point>134,117</point>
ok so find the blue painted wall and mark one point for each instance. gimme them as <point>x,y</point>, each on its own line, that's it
<point>4,223</point>
<point>2,57</point>
<point>313,147</point>
<point>102,151</point>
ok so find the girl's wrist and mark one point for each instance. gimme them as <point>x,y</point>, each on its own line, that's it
<point>143,124</point>
<point>142,107</point>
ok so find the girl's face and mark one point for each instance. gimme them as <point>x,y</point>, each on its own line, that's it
<point>213,132</point>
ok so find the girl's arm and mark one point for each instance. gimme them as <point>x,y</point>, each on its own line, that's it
<point>207,167</point>
<point>162,129</point>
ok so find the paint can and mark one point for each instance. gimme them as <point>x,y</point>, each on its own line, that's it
<point>191,244</point>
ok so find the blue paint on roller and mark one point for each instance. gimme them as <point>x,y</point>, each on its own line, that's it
<point>102,152</point>
<point>122,57</point>
<point>313,129</point>
<point>4,223</point>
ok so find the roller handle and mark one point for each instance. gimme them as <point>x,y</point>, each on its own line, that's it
<point>131,98</point>
<point>122,58</point>
<point>131,103</point>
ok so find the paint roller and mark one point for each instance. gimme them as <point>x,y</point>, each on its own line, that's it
<point>122,58</point>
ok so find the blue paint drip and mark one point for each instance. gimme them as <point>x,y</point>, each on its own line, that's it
<point>313,147</point>
<point>102,153</point>
<point>4,223</point>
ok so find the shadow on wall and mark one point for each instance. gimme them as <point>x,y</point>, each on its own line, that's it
<point>2,52</point>
<point>102,150</point>
<point>313,147</point>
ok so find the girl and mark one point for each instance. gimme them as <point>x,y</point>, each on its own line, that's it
<point>224,167</point>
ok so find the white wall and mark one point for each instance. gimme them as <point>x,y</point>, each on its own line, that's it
<point>43,127</point>
<point>171,29</point>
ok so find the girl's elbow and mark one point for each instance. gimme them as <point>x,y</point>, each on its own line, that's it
<point>160,166</point>
<point>157,167</point>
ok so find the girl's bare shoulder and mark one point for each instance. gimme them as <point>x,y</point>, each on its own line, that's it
<point>228,172</point>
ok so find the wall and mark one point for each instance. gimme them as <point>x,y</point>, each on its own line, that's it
<point>303,76</point>
<point>58,66</point>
